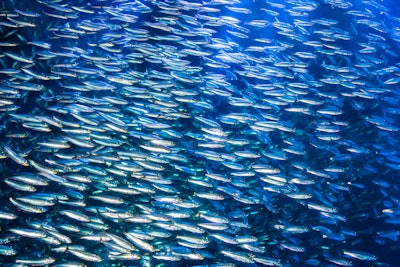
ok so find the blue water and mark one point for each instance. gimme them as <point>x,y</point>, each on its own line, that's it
<point>348,69</point>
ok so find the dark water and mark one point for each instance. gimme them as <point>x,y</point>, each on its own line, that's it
<point>162,80</point>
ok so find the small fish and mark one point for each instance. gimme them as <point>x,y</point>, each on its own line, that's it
<point>15,156</point>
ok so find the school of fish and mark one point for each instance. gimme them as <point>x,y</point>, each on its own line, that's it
<point>199,133</point>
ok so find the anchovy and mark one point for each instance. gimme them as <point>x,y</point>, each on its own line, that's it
<point>209,133</point>
<point>15,156</point>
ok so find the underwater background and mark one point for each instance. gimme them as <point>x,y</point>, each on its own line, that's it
<point>199,133</point>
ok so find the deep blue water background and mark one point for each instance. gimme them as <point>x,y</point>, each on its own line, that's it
<point>387,252</point>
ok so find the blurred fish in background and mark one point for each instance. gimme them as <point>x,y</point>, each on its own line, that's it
<point>199,133</point>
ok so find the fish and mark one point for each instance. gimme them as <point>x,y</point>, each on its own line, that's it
<point>204,133</point>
